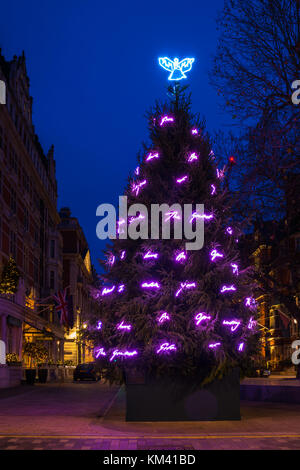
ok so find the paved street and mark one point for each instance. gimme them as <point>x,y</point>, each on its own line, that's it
<point>91,416</point>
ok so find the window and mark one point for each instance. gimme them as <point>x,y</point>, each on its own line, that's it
<point>36,269</point>
<point>26,181</point>
<point>13,201</point>
<point>25,259</point>
<point>26,219</point>
<point>52,248</point>
<point>52,280</point>
<point>12,244</point>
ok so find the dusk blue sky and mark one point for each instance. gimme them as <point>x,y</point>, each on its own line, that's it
<point>93,74</point>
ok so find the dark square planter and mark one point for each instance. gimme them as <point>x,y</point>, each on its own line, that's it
<point>43,375</point>
<point>158,400</point>
<point>30,376</point>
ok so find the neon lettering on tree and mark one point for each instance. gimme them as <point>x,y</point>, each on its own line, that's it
<point>151,156</point>
<point>185,285</point>
<point>227,289</point>
<point>151,285</point>
<point>215,254</point>
<point>136,187</point>
<point>166,347</point>
<point>149,255</point>
<point>195,215</point>
<point>181,256</point>
<point>182,180</point>
<point>172,215</point>
<point>200,317</point>
<point>117,353</point>
<point>164,317</point>
<point>233,323</point>
<point>193,157</point>
<point>122,326</point>
<point>165,119</point>
<point>99,352</point>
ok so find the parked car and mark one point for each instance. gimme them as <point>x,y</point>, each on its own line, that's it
<point>263,373</point>
<point>88,370</point>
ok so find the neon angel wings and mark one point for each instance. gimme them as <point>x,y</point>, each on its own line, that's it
<point>177,69</point>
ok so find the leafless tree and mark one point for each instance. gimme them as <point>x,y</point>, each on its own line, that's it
<point>257,60</point>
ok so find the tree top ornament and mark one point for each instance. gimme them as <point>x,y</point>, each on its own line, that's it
<point>177,69</point>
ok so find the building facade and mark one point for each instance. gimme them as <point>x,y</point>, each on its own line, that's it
<point>277,255</point>
<point>28,221</point>
<point>77,279</point>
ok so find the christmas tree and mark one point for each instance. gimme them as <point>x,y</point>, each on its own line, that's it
<point>166,310</point>
<point>9,278</point>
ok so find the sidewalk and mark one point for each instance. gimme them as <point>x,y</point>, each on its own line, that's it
<point>92,416</point>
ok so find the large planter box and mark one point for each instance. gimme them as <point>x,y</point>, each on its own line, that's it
<point>156,400</point>
<point>10,376</point>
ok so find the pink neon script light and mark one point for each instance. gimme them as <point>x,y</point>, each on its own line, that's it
<point>137,170</point>
<point>182,180</point>
<point>233,323</point>
<point>151,156</point>
<point>185,285</point>
<point>194,131</point>
<point>227,288</point>
<point>116,353</point>
<point>119,223</point>
<point>136,187</point>
<point>229,230</point>
<point>249,302</point>
<point>214,254</point>
<point>108,290</point>
<point>135,219</point>
<point>181,256</point>
<point>164,317</point>
<point>121,326</point>
<point>193,157</point>
<point>166,347</point>
<point>195,215</point>
<point>213,189</point>
<point>214,345</point>
<point>150,255</point>
<point>251,323</point>
<point>151,285</point>
<point>123,253</point>
<point>121,288</point>
<point>235,268</point>
<point>112,260</point>
<point>166,119</point>
<point>172,215</point>
<point>99,325</point>
<point>241,346</point>
<point>200,317</point>
<point>99,352</point>
<point>220,174</point>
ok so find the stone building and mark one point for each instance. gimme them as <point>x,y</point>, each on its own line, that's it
<point>276,253</point>
<point>77,278</point>
<point>28,220</point>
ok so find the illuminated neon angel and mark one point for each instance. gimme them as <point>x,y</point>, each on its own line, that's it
<point>177,69</point>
